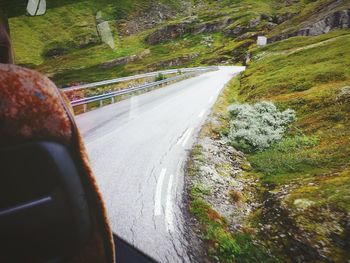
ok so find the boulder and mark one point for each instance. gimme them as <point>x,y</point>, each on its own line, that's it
<point>236,31</point>
<point>167,33</point>
<point>270,25</point>
<point>279,19</point>
<point>266,17</point>
<point>251,35</point>
<point>254,22</point>
<point>344,95</point>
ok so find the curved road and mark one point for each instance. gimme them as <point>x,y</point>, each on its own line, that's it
<point>138,149</point>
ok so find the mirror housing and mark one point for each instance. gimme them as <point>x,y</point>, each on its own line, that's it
<point>36,7</point>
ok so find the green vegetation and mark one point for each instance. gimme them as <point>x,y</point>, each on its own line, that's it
<point>313,159</point>
<point>160,77</point>
<point>286,159</point>
<point>223,245</point>
<point>64,43</point>
<point>257,127</point>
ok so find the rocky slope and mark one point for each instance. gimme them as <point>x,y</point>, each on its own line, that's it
<point>171,33</point>
<point>294,203</point>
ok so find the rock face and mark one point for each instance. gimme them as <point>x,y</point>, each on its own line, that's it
<point>187,27</point>
<point>237,31</point>
<point>167,33</point>
<point>156,14</point>
<point>210,27</point>
<point>339,19</point>
<point>282,18</point>
<point>175,62</point>
<point>118,62</point>
<point>254,22</point>
<point>124,60</point>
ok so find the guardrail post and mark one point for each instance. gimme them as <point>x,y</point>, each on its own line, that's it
<point>101,103</point>
<point>85,107</point>
<point>112,100</point>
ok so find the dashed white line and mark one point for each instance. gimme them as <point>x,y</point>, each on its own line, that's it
<point>158,195</point>
<point>201,114</point>
<point>169,207</point>
<point>187,137</point>
<point>183,137</point>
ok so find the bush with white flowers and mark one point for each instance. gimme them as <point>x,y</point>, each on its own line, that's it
<point>256,127</point>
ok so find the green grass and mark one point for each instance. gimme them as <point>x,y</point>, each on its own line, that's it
<point>222,244</point>
<point>299,42</point>
<point>304,10</point>
<point>71,28</point>
<point>287,159</point>
<point>66,27</point>
<point>313,160</point>
<point>282,73</point>
<point>323,70</point>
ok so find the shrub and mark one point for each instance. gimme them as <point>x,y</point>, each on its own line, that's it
<point>225,247</point>
<point>160,77</point>
<point>235,196</point>
<point>256,127</point>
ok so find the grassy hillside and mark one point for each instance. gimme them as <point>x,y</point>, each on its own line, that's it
<point>65,45</point>
<point>309,170</point>
<point>65,39</point>
<point>291,200</point>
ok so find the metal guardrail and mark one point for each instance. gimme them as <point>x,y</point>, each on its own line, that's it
<point>112,95</point>
<point>146,75</point>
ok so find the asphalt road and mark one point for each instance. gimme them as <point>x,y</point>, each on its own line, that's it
<point>138,149</point>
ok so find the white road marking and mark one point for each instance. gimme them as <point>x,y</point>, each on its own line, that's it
<point>169,207</point>
<point>183,137</point>
<point>211,99</point>
<point>187,137</point>
<point>201,114</point>
<point>158,196</point>
<point>218,91</point>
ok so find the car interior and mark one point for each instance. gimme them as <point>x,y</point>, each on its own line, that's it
<point>51,209</point>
